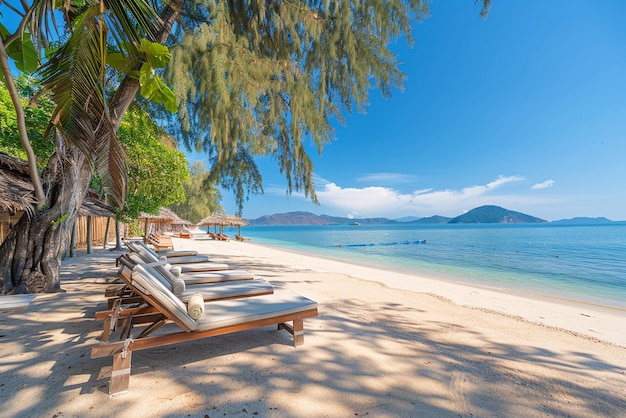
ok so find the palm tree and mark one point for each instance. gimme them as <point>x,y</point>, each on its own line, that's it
<point>84,122</point>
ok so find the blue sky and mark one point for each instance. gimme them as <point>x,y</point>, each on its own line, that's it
<point>524,110</point>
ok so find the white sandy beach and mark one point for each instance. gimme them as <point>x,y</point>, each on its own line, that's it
<point>385,344</point>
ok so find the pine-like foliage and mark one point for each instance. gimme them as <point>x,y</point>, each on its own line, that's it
<point>202,196</point>
<point>257,77</point>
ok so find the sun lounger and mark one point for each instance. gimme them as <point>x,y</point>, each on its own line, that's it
<point>141,248</point>
<point>213,318</point>
<point>131,301</point>
<point>218,236</point>
<point>187,256</point>
<point>211,290</point>
<point>187,264</point>
<point>160,241</point>
<point>177,253</point>
<point>192,278</point>
<point>240,238</point>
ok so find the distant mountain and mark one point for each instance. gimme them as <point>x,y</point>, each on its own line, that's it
<point>290,218</point>
<point>432,220</point>
<point>494,215</point>
<point>408,219</point>
<point>336,220</point>
<point>583,221</point>
<point>483,215</point>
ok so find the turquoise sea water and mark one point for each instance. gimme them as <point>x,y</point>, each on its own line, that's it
<point>585,263</point>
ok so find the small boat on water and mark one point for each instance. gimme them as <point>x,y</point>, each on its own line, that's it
<point>355,223</point>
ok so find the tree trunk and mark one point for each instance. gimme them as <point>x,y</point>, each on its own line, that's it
<point>89,234</point>
<point>73,242</point>
<point>30,257</point>
<point>106,234</point>
<point>118,236</point>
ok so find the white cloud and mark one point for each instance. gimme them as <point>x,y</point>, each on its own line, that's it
<point>543,185</point>
<point>498,182</point>
<point>375,201</point>
<point>387,178</point>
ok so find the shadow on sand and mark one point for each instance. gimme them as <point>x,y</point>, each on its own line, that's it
<point>358,359</point>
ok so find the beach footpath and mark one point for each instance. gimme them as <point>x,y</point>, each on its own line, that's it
<point>380,347</point>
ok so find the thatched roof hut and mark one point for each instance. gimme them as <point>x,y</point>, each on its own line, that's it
<point>16,190</point>
<point>17,196</point>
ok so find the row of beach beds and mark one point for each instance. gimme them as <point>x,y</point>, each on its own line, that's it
<point>194,297</point>
<point>164,242</point>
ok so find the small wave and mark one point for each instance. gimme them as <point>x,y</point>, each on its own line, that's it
<point>422,241</point>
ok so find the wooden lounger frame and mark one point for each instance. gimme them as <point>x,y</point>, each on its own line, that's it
<point>153,315</point>
<point>122,349</point>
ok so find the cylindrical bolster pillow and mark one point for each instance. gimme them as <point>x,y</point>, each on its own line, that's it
<point>178,286</point>
<point>176,270</point>
<point>195,306</point>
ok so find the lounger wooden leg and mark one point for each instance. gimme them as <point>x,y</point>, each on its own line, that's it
<point>120,374</point>
<point>127,326</point>
<point>110,322</point>
<point>297,330</point>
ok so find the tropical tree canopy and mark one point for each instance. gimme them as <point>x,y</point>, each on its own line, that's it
<point>202,196</point>
<point>152,165</point>
<point>38,116</point>
<point>156,173</point>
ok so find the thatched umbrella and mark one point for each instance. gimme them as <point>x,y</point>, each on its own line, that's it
<point>180,224</point>
<point>238,222</point>
<point>180,221</point>
<point>222,220</point>
<point>164,217</point>
<point>215,220</point>
<point>16,197</point>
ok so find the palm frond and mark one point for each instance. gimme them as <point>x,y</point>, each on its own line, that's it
<point>111,167</point>
<point>132,19</point>
<point>75,75</point>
